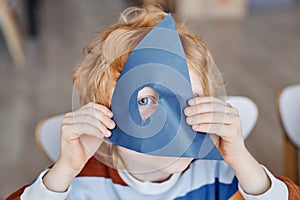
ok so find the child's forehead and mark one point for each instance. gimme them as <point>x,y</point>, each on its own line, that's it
<point>195,84</point>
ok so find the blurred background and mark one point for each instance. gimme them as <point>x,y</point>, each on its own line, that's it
<point>255,44</point>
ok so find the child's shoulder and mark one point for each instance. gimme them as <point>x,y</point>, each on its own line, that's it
<point>95,168</point>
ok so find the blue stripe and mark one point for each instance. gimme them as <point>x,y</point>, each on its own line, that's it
<point>215,191</point>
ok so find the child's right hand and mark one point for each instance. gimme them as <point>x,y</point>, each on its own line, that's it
<point>89,122</point>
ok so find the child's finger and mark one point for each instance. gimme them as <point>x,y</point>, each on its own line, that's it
<point>222,130</point>
<point>206,99</point>
<point>81,120</point>
<point>71,131</point>
<point>209,107</point>
<point>98,115</point>
<point>212,118</point>
<point>99,107</point>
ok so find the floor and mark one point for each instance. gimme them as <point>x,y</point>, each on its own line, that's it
<point>257,56</point>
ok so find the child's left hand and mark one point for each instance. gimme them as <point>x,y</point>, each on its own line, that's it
<point>221,121</point>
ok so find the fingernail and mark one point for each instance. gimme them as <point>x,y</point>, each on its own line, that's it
<point>112,124</point>
<point>187,111</point>
<point>107,133</point>
<point>195,127</point>
<point>110,114</point>
<point>191,101</point>
<point>190,120</point>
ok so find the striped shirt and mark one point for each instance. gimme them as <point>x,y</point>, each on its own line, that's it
<point>204,179</point>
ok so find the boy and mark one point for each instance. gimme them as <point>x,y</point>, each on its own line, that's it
<point>79,175</point>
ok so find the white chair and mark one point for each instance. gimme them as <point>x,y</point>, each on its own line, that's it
<point>48,130</point>
<point>47,135</point>
<point>288,107</point>
<point>247,110</point>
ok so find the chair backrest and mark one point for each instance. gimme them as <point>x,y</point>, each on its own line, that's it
<point>247,110</point>
<point>48,130</point>
<point>48,136</point>
<point>289,111</point>
<point>288,107</point>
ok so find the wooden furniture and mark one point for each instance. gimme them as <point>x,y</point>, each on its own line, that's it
<point>169,5</point>
<point>11,33</point>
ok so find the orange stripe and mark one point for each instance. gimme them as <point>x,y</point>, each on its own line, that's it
<point>16,195</point>
<point>236,196</point>
<point>95,168</point>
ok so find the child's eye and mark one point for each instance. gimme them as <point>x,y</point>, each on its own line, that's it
<point>145,101</point>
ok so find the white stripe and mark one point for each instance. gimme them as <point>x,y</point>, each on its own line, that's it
<point>38,190</point>
<point>200,173</point>
<point>149,188</point>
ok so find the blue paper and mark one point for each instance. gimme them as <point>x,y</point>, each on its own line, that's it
<point>159,62</point>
